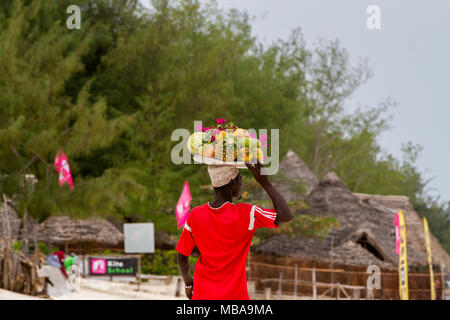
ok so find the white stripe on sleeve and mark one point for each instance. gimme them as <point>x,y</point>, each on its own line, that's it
<point>186,226</point>
<point>268,217</point>
<point>267,214</point>
<point>252,218</point>
<point>264,211</point>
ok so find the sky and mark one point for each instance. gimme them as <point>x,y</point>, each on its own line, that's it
<point>409,56</point>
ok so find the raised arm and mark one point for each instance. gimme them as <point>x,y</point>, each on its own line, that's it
<point>280,205</point>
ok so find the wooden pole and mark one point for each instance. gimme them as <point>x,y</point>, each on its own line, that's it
<point>295,283</point>
<point>7,263</point>
<point>332,263</point>
<point>251,289</point>
<point>369,294</point>
<point>25,232</point>
<point>85,267</point>
<point>314,284</point>
<point>280,293</point>
<point>4,213</point>
<point>5,266</point>
<point>267,292</point>
<point>356,294</point>
<point>15,262</point>
<point>443,280</point>
<point>178,288</point>
<point>7,225</point>
<point>139,273</point>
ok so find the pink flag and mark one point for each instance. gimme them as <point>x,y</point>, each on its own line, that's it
<point>183,205</point>
<point>397,233</point>
<point>63,168</point>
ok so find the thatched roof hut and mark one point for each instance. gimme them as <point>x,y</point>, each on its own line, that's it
<point>64,230</point>
<point>414,225</point>
<point>366,234</point>
<point>295,170</point>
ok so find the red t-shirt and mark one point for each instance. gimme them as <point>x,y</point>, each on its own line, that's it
<point>223,236</point>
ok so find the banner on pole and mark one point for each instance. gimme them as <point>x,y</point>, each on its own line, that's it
<point>430,261</point>
<point>63,168</point>
<point>397,234</point>
<point>183,206</point>
<point>403,257</point>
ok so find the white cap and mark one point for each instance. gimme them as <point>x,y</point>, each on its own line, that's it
<point>222,175</point>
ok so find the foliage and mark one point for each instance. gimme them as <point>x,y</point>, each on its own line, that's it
<point>163,262</point>
<point>109,252</point>
<point>17,245</point>
<point>110,95</point>
<point>45,249</point>
<point>438,216</point>
<point>303,225</point>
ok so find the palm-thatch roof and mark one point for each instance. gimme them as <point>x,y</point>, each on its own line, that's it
<point>62,230</point>
<point>414,225</point>
<point>366,234</point>
<point>294,179</point>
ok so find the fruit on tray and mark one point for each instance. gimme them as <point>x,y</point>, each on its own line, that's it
<point>259,154</point>
<point>255,143</point>
<point>240,133</point>
<point>244,155</point>
<point>225,151</point>
<point>219,151</point>
<point>231,155</point>
<point>243,142</point>
<point>195,142</point>
<point>208,150</point>
<point>220,136</point>
<point>226,142</point>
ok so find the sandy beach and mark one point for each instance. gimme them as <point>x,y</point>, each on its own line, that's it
<point>94,289</point>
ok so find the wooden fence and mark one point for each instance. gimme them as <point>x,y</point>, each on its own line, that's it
<point>315,279</point>
<point>17,271</point>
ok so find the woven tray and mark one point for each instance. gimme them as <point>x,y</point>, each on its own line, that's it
<point>214,161</point>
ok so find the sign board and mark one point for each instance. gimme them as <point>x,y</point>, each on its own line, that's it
<point>139,237</point>
<point>100,266</point>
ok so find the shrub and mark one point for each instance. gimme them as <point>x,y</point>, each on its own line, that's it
<point>163,262</point>
<point>303,225</point>
<point>44,249</point>
<point>17,245</point>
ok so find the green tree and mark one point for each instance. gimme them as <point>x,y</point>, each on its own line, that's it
<point>110,95</point>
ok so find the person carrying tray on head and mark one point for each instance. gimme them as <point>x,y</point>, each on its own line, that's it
<point>223,232</point>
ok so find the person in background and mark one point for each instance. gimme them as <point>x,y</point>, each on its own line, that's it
<point>69,261</point>
<point>223,232</point>
<point>60,254</point>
